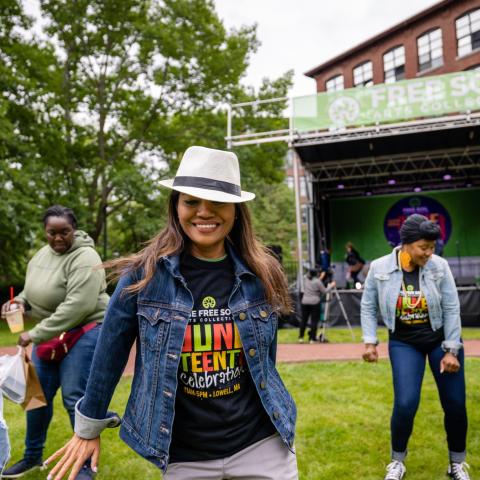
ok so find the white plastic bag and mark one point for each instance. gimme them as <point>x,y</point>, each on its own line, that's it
<point>12,377</point>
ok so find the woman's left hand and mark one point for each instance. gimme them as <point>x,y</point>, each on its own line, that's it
<point>449,364</point>
<point>24,339</point>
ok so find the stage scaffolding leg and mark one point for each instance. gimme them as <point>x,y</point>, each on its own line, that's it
<point>310,219</point>
<point>298,215</point>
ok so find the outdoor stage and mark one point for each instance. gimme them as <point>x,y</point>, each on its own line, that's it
<point>469,307</point>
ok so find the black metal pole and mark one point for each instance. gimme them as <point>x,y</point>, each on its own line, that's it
<point>458,258</point>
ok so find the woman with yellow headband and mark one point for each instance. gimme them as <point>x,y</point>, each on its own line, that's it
<point>415,294</point>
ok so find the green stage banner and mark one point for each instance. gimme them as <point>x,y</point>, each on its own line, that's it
<point>387,103</point>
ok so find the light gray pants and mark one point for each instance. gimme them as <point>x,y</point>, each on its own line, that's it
<point>268,459</point>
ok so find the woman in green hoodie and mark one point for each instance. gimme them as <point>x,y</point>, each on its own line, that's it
<point>62,291</point>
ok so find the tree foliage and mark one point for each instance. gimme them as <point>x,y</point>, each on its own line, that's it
<point>100,98</point>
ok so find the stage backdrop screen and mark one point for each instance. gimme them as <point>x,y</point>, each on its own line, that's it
<point>372,223</point>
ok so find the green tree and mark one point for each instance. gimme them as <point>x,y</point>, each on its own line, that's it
<point>121,70</point>
<point>23,85</point>
<point>104,100</point>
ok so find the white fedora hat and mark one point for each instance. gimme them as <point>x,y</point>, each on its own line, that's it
<point>209,174</point>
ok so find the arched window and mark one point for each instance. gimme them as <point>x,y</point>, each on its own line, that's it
<point>394,64</point>
<point>334,84</point>
<point>468,32</point>
<point>430,50</point>
<point>363,74</point>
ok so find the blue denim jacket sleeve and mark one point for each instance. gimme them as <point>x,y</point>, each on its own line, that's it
<point>369,308</point>
<point>450,305</point>
<point>119,331</point>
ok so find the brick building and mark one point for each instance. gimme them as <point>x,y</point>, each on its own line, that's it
<point>362,158</point>
<point>441,39</point>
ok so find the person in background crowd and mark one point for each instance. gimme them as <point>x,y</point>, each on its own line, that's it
<point>313,292</point>
<point>355,263</point>
<point>201,301</point>
<point>415,292</point>
<point>63,290</point>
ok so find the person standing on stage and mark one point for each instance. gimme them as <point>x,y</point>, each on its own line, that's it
<point>415,292</point>
<point>355,264</point>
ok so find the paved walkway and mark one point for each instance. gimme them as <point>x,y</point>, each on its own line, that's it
<point>293,352</point>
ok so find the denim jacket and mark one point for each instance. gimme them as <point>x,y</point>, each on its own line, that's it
<point>156,318</point>
<point>382,288</point>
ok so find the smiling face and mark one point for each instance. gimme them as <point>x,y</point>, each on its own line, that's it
<point>206,224</point>
<point>420,251</point>
<point>59,233</point>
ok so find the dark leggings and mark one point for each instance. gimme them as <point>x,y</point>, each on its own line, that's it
<point>312,312</point>
<point>408,367</point>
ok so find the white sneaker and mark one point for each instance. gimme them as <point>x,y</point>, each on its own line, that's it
<point>458,471</point>
<point>301,340</point>
<point>395,470</point>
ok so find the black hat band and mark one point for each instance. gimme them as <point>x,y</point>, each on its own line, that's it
<point>208,184</point>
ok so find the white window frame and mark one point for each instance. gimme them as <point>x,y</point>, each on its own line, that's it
<point>467,29</point>
<point>335,83</point>
<point>394,64</point>
<point>430,50</point>
<point>363,74</point>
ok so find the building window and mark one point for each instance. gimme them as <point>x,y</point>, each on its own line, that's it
<point>304,213</point>
<point>430,50</point>
<point>303,186</point>
<point>468,32</point>
<point>394,64</point>
<point>363,75</point>
<point>334,84</point>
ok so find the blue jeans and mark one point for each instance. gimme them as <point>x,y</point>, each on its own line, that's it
<point>408,367</point>
<point>71,375</point>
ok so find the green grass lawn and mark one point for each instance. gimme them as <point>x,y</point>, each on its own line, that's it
<point>343,335</point>
<point>285,335</point>
<point>8,339</point>
<point>342,430</point>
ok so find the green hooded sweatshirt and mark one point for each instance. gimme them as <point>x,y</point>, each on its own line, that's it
<point>64,290</point>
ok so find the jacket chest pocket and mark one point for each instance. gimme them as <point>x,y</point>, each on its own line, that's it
<point>436,277</point>
<point>153,325</point>
<point>385,296</point>
<point>433,281</point>
<point>265,324</point>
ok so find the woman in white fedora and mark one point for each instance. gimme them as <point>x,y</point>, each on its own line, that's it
<point>201,302</point>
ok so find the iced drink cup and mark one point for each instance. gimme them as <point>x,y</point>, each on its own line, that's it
<point>15,320</point>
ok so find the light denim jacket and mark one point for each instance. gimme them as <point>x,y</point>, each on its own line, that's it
<point>382,288</point>
<point>156,318</point>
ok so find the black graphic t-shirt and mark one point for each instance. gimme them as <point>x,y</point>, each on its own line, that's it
<point>218,411</point>
<point>412,322</point>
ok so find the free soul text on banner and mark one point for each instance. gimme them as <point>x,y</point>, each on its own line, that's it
<point>387,103</point>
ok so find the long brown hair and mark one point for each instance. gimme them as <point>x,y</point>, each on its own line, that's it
<point>172,241</point>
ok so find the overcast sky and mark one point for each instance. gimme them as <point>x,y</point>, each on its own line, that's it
<point>302,34</point>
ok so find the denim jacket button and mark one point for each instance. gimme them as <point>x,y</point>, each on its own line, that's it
<point>263,314</point>
<point>252,352</point>
<point>276,415</point>
<point>242,316</point>
<point>263,385</point>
